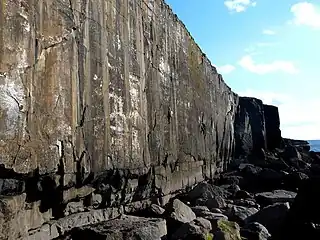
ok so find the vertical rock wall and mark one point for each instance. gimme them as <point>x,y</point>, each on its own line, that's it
<point>250,129</point>
<point>257,129</point>
<point>115,94</point>
<point>273,132</point>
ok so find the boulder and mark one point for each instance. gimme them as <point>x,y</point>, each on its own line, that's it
<point>241,194</point>
<point>156,210</point>
<point>124,228</point>
<point>227,230</point>
<point>304,215</point>
<point>240,214</point>
<point>206,194</point>
<point>258,178</point>
<point>180,212</point>
<point>190,231</point>
<point>272,217</point>
<point>204,223</point>
<point>74,207</point>
<point>76,193</point>
<point>11,187</point>
<point>200,210</point>
<point>214,218</point>
<point>255,231</point>
<point>276,196</point>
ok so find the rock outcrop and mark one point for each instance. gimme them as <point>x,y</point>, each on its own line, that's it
<point>114,124</point>
<point>272,124</point>
<point>108,100</point>
<point>250,128</point>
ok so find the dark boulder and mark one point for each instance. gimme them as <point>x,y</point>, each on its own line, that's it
<point>272,217</point>
<point>255,231</point>
<point>206,194</point>
<point>240,214</point>
<point>190,231</point>
<point>304,215</point>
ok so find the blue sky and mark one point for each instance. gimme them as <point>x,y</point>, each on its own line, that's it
<point>266,49</point>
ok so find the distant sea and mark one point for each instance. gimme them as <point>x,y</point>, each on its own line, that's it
<point>315,145</point>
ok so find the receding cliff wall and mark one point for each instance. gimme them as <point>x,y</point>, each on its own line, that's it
<point>115,94</point>
<point>257,129</point>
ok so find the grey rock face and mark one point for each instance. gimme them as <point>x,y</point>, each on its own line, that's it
<point>181,213</point>
<point>110,104</point>
<point>200,210</point>
<point>250,130</point>
<point>156,209</point>
<point>203,223</point>
<point>273,132</point>
<point>129,105</point>
<point>127,227</point>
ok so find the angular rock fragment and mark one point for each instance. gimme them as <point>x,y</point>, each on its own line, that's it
<point>124,228</point>
<point>255,231</point>
<point>276,196</point>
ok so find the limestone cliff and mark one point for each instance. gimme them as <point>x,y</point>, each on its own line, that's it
<point>107,101</point>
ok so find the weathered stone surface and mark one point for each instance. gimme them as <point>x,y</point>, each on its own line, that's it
<point>276,196</point>
<point>200,210</point>
<point>81,81</point>
<point>227,231</point>
<point>206,194</point>
<point>240,214</point>
<point>117,88</point>
<point>156,209</point>
<point>76,193</point>
<point>272,124</point>
<point>92,86</point>
<point>250,130</point>
<point>11,187</point>
<point>204,223</point>
<point>64,225</point>
<point>74,207</point>
<point>255,231</point>
<point>125,228</point>
<point>304,215</point>
<point>272,217</point>
<point>181,213</point>
<point>190,231</point>
<point>17,218</point>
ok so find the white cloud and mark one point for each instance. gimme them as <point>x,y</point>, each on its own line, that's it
<point>263,68</point>
<point>298,117</point>
<point>268,32</point>
<point>239,5</point>
<point>225,69</point>
<point>306,13</point>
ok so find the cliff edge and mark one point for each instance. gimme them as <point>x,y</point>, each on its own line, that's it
<point>107,107</point>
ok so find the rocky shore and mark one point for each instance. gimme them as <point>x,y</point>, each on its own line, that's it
<point>276,197</point>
